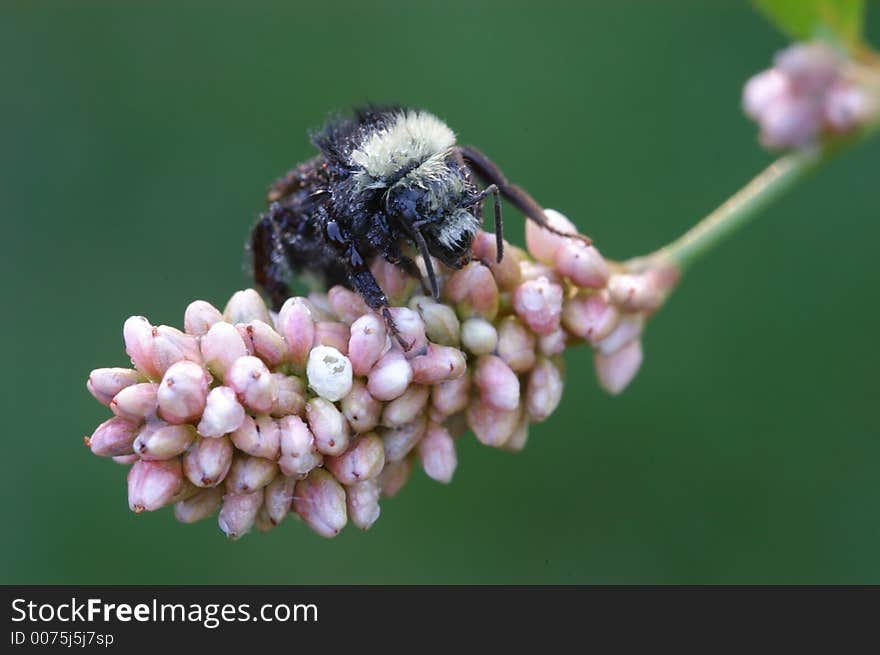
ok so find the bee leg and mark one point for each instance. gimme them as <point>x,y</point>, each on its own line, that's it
<point>267,252</point>
<point>407,265</point>
<point>365,284</point>
<point>487,170</point>
<point>477,204</point>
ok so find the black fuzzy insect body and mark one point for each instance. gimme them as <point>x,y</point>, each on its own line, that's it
<point>385,179</point>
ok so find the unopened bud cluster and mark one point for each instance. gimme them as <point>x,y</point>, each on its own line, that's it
<point>810,92</point>
<point>318,411</point>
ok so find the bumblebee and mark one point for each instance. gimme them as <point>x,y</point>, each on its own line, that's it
<point>387,181</point>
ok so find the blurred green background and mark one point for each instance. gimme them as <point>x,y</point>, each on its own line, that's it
<point>136,146</point>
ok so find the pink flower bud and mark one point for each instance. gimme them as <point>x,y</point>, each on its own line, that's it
<point>260,437</point>
<point>473,290</point>
<point>506,272</point>
<point>136,402</point>
<point>252,383</point>
<point>198,507</point>
<point>492,427</point>
<point>539,304</point>
<point>199,317</point>
<point>390,377</point>
<point>363,460</point>
<point>791,123</point>
<point>152,485</point>
<point>319,305</point>
<point>104,383</point>
<point>298,452</point>
<point>222,415</point>
<point>367,343</point>
<point>333,334</point>
<point>263,341</point>
<point>543,244</point>
<point>183,392</point>
<point>289,395</point>
<point>441,323</point>
<point>437,453</point>
<point>534,271</point>
<point>347,304</point>
<point>170,346</point>
<point>544,389</point>
<point>221,346</point>
<point>810,67</point>
<point>479,336</point>
<point>634,292</point>
<point>498,384</point>
<point>451,396</point>
<point>397,287</point>
<point>248,474</point>
<point>846,106</point>
<point>439,364</point>
<point>158,440</point>
<point>320,501</point>
<point>138,335</point>
<point>246,306</point>
<point>400,440</point>
<point>553,343</point>
<point>590,317</point>
<point>628,329</point>
<point>410,329</point>
<point>328,426</point>
<point>407,407</point>
<point>516,345</point>
<point>329,373</point>
<point>362,501</point>
<point>394,476</point>
<point>360,409</point>
<point>125,460</point>
<point>517,441</point>
<point>298,329</point>
<point>114,437</point>
<point>616,371</point>
<point>278,497</point>
<point>239,512</point>
<point>582,264</point>
<point>208,461</point>
<point>763,90</point>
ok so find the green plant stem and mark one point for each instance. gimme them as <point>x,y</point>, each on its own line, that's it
<point>747,203</point>
<point>742,207</point>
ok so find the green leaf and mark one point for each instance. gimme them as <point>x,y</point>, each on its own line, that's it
<point>838,20</point>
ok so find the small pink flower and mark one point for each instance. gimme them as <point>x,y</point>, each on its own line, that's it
<point>136,402</point>
<point>362,502</point>
<point>390,376</point>
<point>260,437</point>
<point>239,512</point>
<point>252,383</point>
<point>497,383</point>
<point>158,440</point>
<point>207,462</point>
<point>367,344</point>
<point>407,407</point>
<point>199,506</point>
<point>296,325</point>
<point>223,413</point>
<point>221,346</point>
<point>539,304</point>
<point>299,454</point>
<point>328,426</point>
<point>437,453</point>
<point>320,501</point>
<point>616,370</point>
<point>183,392</point>
<point>246,306</point>
<point>152,485</point>
<point>199,317</point>
<point>360,409</point>
<point>114,437</point>
<point>248,474</point>
<point>363,460</point>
